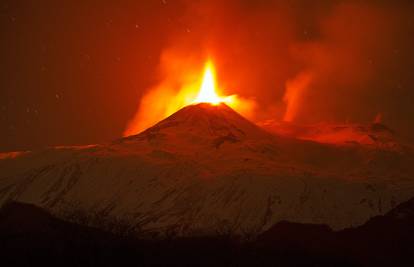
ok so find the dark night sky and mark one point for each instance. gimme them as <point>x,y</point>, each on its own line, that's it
<point>73,72</point>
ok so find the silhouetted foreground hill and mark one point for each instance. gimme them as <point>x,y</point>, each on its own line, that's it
<point>29,236</point>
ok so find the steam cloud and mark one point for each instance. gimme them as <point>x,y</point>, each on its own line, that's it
<point>298,61</point>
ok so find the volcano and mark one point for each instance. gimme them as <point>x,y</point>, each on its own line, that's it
<point>207,170</point>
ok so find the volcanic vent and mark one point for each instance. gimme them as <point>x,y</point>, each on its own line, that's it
<point>204,124</point>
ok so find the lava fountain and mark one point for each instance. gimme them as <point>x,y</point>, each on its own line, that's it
<point>207,93</point>
<point>163,100</point>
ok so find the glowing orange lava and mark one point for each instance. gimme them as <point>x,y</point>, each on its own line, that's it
<point>163,100</point>
<point>207,93</point>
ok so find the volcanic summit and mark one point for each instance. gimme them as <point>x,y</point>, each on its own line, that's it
<point>204,124</point>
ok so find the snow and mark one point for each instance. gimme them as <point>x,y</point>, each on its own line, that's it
<point>206,169</point>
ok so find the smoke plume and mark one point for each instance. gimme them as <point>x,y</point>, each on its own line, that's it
<point>295,61</point>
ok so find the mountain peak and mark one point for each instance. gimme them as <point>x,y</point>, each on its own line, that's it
<point>207,120</point>
<point>201,125</point>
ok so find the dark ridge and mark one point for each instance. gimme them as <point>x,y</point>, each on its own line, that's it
<point>379,127</point>
<point>230,138</point>
<point>29,236</point>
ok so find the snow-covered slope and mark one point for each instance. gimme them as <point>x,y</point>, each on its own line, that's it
<point>206,169</point>
<point>374,134</point>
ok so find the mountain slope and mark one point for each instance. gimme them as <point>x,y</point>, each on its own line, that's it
<point>373,135</point>
<point>206,169</point>
<point>382,241</point>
